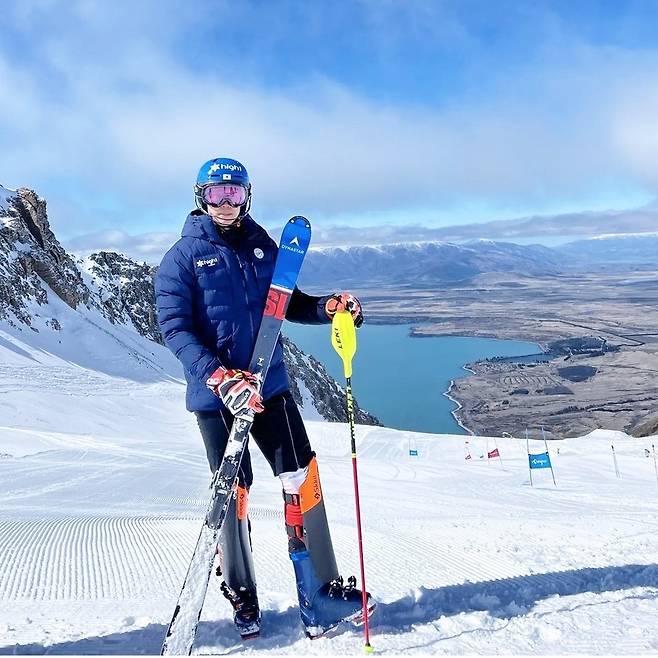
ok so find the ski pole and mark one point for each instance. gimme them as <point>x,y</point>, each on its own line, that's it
<point>548,455</point>
<point>614,457</point>
<point>527,443</point>
<point>500,459</point>
<point>343,338</point>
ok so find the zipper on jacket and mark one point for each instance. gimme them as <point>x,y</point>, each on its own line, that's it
<point>246,299</point>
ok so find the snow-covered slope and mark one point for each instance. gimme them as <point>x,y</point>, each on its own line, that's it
<point>6,196</point>
<point>103,482</point>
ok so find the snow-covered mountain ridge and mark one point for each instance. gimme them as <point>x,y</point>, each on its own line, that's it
<point>99,311</point>
<point>125,291</point>
<point>442,264</point>
<point>32,261</point>
<point>6,199</point>
<point>425,263</point>
<point>632,248</point>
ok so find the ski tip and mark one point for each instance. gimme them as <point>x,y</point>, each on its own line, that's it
<point>299,219</point>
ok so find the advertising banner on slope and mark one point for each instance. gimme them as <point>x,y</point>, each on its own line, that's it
<point>541,460</point>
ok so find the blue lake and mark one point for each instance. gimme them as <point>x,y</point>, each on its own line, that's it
<point>401,379</point>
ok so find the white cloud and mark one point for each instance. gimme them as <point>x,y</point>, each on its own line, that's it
<point>148,247</point>
<point>123,128</point>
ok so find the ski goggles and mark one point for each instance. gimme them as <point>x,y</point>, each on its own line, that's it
<point>215,195</point>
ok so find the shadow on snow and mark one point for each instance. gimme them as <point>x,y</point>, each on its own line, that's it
<point>504,598</point>
<point>509,597</point>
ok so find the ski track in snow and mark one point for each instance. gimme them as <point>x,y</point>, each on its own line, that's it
<point>104,483</point>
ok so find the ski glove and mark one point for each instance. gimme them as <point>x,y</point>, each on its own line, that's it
<point>344,301</point>
<point>237,389</point>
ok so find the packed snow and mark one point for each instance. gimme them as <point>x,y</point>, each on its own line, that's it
<point>103,483</point>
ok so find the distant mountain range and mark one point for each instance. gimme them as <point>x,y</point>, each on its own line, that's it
<point>543,229</point>
<point>634,249</point>
<point>424,264</point>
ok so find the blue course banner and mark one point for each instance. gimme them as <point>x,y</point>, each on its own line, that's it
<point>541,460</point>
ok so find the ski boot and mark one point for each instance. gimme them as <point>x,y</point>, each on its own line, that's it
<point>323,606</point>
<point>246,612</point>
<point>324,599</point>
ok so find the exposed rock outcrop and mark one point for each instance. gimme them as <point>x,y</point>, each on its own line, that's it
<point>125,291</point>
<point>32,261</point>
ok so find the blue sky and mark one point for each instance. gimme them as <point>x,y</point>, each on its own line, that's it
<point>364,113</point>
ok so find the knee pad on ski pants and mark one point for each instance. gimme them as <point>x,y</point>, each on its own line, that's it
<point>301,493</point>
<point>305,483</point>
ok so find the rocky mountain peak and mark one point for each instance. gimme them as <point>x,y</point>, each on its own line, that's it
<point>125,291</point>
<point>31,256</point>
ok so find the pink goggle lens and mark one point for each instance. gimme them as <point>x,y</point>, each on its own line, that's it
<point>215,195</point>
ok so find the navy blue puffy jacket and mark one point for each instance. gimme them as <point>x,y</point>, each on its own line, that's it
<point>210,291</point>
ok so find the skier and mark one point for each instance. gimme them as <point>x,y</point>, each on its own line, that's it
<point>211,290</point>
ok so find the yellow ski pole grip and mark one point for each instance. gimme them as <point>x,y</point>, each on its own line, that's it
<point>343,338</point>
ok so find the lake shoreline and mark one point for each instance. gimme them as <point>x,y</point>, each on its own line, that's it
<point>385,351</point>
<point>455,411</point>
<point>565,389</point>
<point>448,393</point>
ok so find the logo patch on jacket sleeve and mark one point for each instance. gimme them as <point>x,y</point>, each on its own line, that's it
<point>259,253</point>
<point>208,262</point>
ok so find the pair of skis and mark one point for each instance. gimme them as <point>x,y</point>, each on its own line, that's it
<point>181,633</point>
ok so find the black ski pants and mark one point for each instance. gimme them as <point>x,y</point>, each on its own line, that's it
<point>278,431</point>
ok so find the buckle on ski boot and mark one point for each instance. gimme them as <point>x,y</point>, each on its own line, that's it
<point>246,611</point>
<point>337,588</point>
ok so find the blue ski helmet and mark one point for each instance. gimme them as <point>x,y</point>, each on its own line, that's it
<point>222,170</point>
